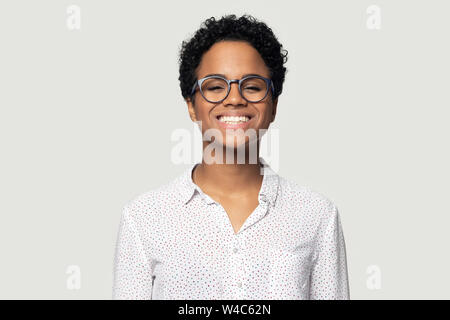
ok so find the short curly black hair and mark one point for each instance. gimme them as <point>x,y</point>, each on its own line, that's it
<point>229,27</point>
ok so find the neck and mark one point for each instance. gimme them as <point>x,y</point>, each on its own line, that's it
<point>229,178</point>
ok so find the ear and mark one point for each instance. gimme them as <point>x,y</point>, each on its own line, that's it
<point>274,109</point>
<point>191,109</point>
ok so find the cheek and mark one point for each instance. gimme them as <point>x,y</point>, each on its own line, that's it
<point>203,113</point>
<point>265,117</point>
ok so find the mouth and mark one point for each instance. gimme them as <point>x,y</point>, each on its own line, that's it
<point>234,121</point>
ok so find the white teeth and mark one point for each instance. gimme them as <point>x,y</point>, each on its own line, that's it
<point>233,120</point>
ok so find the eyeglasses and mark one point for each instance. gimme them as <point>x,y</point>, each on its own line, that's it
<point>215,89</point>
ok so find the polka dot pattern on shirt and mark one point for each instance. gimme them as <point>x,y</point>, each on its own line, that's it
<point>176,242</point>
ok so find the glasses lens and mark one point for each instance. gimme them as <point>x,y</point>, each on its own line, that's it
<point>254,89</point>
<point>214,89</point>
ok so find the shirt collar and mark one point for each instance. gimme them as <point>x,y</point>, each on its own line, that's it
<point>267,193</point>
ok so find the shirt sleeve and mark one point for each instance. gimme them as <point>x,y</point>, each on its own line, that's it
<point>132,273</point>
<point>329,275</point>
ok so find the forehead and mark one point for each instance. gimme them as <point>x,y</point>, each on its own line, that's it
<point>232,59</point>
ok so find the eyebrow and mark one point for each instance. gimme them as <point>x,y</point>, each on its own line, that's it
<point>222,75</point>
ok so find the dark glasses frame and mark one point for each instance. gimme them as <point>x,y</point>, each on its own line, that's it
<point>198,83</point>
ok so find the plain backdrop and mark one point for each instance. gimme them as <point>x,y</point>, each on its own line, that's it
<point>86,118</point>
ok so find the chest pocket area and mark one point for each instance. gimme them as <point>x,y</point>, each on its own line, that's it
<point>289,273</point>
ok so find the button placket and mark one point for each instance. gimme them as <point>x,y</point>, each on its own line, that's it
<point>237,252</point>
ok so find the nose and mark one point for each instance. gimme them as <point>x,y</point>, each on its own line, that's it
<point>234,97</point>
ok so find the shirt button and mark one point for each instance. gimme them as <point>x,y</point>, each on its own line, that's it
<point>235,250</point>
<point>239,284</point>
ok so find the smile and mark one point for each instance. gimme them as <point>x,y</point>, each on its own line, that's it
<point>233,120</point>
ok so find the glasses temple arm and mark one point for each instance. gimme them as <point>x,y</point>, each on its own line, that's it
<point>193,88</point>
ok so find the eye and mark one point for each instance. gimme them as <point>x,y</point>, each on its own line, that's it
<point>216,88</point>
<point>253,88</point>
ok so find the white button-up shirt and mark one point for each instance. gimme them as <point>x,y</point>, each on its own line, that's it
<point>176,242</point>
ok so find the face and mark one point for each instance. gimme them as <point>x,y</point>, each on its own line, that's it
<point>233,60</point>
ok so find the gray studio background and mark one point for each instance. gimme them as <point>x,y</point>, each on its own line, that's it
<point>86,118</point>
